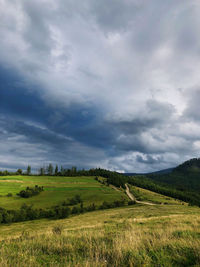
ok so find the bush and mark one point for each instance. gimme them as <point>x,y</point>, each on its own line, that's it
<point>75,200</point>
<point>131,202</point>
<point>62,212</point>
<point>75,210</point>
<point>30,191</point>
<point>7,217</point>
<point>91,207</point>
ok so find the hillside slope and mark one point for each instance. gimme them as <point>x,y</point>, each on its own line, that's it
<point>184,177</point>
<point>56,190</point>
<point>129,236</point>
<point>144,195</point>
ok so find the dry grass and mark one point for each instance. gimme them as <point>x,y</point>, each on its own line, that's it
<point>119,237</point>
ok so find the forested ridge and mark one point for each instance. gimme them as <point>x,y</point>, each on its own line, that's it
<point>185,177</point>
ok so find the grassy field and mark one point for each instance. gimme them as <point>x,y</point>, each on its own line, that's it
<point>147,195</point>
<point>56,190</point>
<point>137,235</point>
<point>161,235</point>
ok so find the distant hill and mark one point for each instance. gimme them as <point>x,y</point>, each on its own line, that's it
<point>186,176</point>
<point>169,170</point>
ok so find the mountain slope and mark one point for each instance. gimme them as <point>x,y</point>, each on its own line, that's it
<point>184,177</point>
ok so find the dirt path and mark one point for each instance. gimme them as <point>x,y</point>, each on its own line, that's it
<point>134,199</point>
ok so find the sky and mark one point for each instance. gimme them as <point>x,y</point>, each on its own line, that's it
<point>111,84</point>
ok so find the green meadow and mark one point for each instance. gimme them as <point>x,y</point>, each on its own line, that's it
<point>56,190</point>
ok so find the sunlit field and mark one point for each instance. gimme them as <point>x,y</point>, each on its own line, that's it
<point>56,190</point>
<point>130,236</point>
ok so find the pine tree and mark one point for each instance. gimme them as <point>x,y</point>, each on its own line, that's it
<point>28,170</point>
<point>42,171</point>
<point>56,170</point>
<point>62,170</point>
<point>50,169</point>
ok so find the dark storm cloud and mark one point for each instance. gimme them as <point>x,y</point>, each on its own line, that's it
<point>18,99</point>
<point>95,83</point>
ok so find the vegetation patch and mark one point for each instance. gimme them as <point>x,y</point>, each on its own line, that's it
<point>30,191</point>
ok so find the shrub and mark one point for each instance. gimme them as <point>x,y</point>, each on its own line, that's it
<point>7,217</point>
<point>75,200</point>
<point>75,210</point>
<point>91,207</point>
<point>62,212</point>
<point>30,191</point>
<point>131,202</point>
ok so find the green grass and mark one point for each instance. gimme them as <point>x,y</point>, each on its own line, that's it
<point>56,190</point>
<point>147,195</point>
<point>138,235</point>
<point>161,235</point>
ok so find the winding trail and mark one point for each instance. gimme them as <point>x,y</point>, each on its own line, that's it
<point>134,199</point>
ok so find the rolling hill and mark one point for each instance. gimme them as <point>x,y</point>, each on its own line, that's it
<point>56,190</point>
<point>186,176</point>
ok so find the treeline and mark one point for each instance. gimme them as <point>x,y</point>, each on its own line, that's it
<point>27,212</point>
<point>18,172</point>
<point>112,177</point>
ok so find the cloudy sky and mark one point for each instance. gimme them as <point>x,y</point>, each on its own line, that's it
<point>110,83</point>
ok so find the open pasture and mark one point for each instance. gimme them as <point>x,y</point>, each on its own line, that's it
<point>56,190</point>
